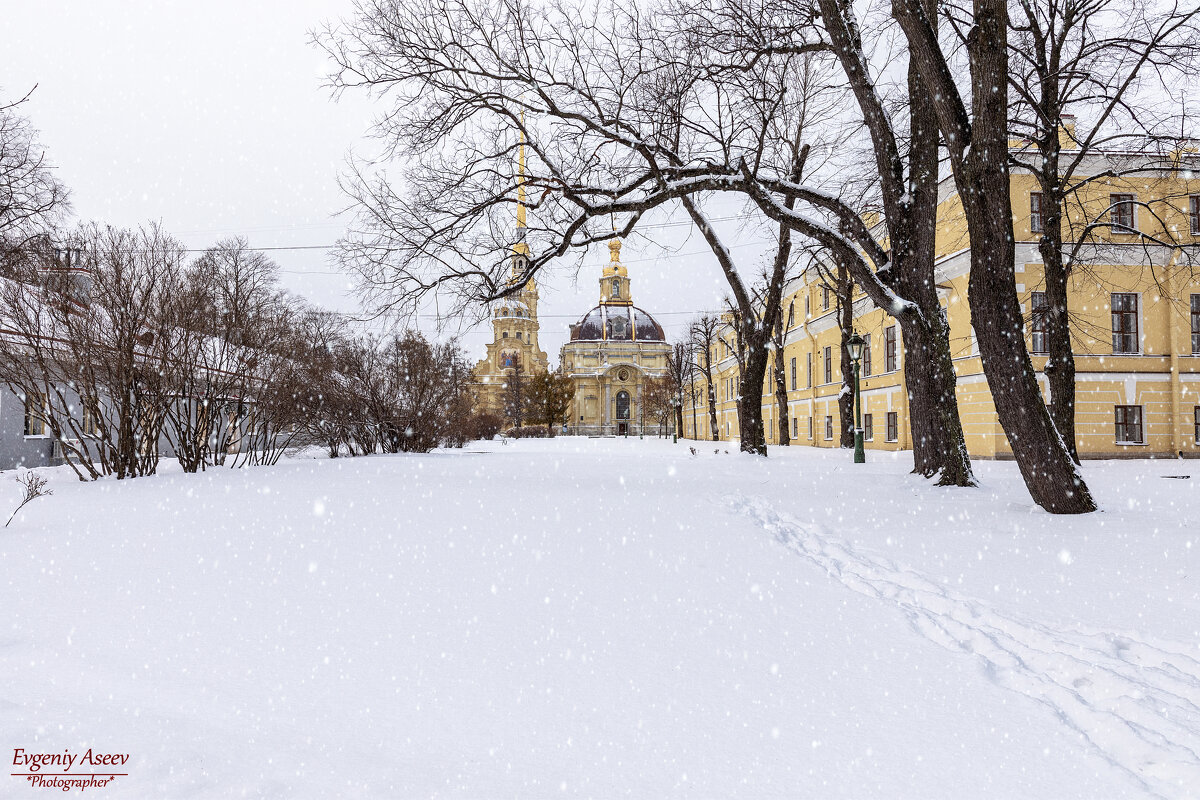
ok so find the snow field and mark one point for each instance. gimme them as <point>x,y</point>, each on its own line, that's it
<point>607,618</point>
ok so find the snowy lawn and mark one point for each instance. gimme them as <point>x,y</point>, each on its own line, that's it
<point>607,618</point>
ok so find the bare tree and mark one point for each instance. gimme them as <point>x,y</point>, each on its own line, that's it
<point>32,199</point>
<point>548,398</point>
<point>1113,64</point>
<point>680,364</point>
<point>658,397</point>
<point>703,334</point>
<point>516,395</point>
<point>33,486</point>
<point>83,332</point>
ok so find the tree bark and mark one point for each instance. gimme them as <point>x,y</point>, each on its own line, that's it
<point>750,389</point>
<point>845,313</point>
<point>781,398</point>
<point>939,445</point>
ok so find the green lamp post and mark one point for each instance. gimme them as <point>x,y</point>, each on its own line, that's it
<point>854,346</point>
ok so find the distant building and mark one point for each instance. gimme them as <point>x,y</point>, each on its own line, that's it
<point>615,349</point>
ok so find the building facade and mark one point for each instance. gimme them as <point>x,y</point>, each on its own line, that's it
<point>1134,304</point>
<point>614,352</point>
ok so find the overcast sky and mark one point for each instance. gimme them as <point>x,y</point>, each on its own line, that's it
<point>212,117</point>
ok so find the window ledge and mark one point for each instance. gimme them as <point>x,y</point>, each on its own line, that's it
<point>38,436</point>
<point>1130,444</point>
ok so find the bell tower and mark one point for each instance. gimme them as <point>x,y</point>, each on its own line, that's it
<point>514,318</point>
<point>614,279</point>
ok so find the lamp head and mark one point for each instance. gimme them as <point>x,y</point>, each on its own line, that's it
<point>854,346</point>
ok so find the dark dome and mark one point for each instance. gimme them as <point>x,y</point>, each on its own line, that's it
<point>618,323</point>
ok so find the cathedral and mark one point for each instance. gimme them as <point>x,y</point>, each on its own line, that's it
<point>614,350</point>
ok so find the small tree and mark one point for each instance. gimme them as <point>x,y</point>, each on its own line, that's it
<point>680,362</point>
<point>31,197</point>
<point>658,400</point>
<point>34,486</point>
<point>703,334</point>
<point>549,396</point>
<point>516,392</point>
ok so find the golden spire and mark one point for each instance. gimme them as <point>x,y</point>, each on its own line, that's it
<point>521,175</point>
<point>520,248</point>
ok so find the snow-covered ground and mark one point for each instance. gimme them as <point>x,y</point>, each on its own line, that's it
<point>607,618</point>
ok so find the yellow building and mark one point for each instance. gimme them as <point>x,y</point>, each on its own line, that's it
<point>614,350</point>
<point>1134,302</point>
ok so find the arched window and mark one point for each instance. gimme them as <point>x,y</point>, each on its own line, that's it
<point>616,290</point>
<point>622,405</point>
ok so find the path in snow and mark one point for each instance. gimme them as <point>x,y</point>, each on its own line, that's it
<point>1136,701</point>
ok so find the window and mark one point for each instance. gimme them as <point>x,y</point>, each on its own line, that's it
<point>35,415</point>
<point>616,290</point>
<point>1038,314</point>
<point>893,426</point>
<point>791,314</point>
<point>825,297</point>
<point>828,428</point>
<point>889,349</point>
<point>793,374</point>
<point>622,405</point>
<point>1037,220</point>
<point>1194,213</point>
<point>866,355</point>
<point>1128,424</point>
<point>828,366</point>
<point>1196,323</point>
<point>868,427</point>
<point>504,335</point>
<point>807,312</point>
<point>810,429</point>
<point>1125,322</point>
<point>796,427</point>
<point>1121,213</point>
<point>809,372</point>
<point>1197,418</point>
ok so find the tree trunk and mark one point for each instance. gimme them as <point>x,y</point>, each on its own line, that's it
<point>750,386</point>
<point>712,403</point>
<point>983,179</point>
<point>910,203</point>
<point>1060,365</point>
<point>978,146</point>
<point>846,323</point>
<point>939,445</point>
<point>781,398</point>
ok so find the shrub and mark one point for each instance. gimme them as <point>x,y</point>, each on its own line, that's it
<point>528,432</point>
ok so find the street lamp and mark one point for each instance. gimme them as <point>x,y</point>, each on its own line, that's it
<point>854,346</point>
